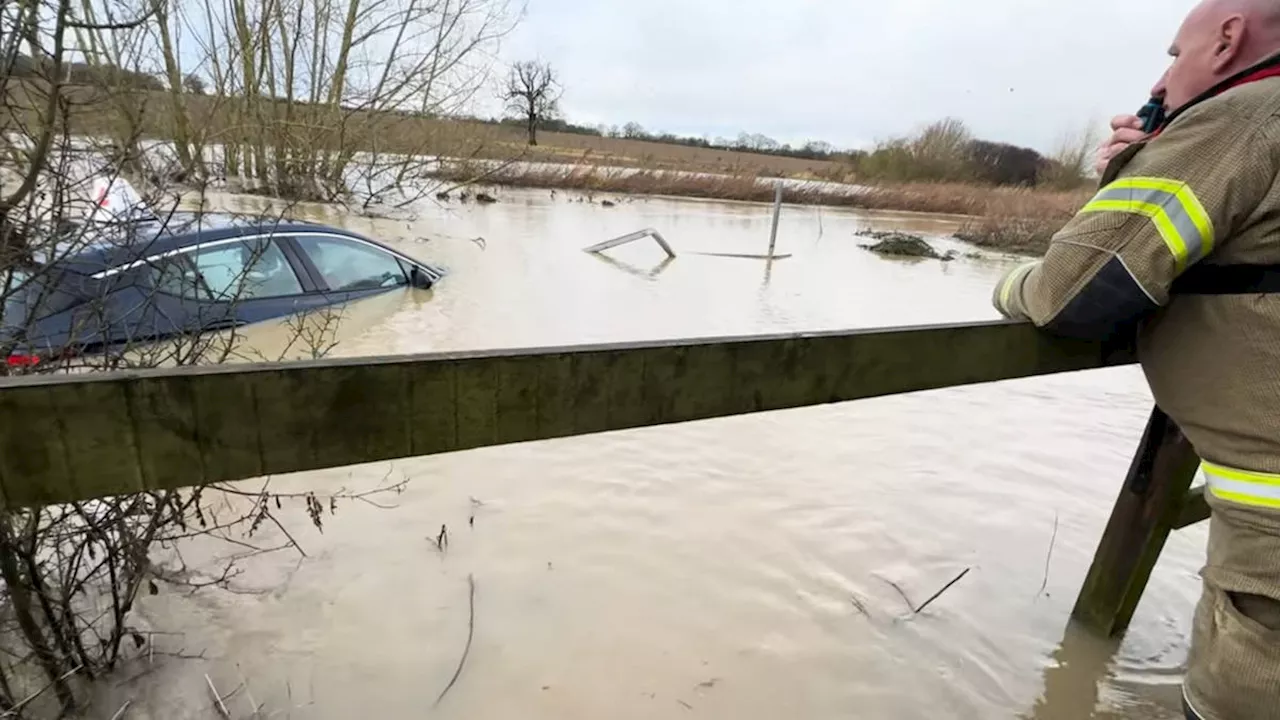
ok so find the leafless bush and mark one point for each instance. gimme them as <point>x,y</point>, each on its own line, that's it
<point>71,573</point>
<point>1071,163</point>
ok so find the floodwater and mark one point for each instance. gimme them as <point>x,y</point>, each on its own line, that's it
<point>735,568</point>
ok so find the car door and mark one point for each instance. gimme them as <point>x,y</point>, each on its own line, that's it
<point>348,269</point>
<point>231,283</point>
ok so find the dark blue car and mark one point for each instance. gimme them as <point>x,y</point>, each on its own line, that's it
<point>189,274</point>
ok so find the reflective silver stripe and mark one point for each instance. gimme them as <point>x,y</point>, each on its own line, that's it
<point>1241,486</point>
<point>1170,205</point>
<point>1186,698</point>
<point>1178,214</point>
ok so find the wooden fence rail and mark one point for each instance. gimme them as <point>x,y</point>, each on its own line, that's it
<point>65,438</point>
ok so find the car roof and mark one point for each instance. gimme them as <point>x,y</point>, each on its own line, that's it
<point>103,246</point>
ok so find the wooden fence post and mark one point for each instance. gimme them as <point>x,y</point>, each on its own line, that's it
<point>777,212</point>
<point>1149,506</point>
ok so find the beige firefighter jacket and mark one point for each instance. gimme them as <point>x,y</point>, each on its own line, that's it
<point>1203,192</point>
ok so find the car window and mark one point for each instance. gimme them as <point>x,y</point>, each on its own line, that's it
<point>37,293</point>
<point>234,271</point>
<point>353,265</point>
<point>16,290</point>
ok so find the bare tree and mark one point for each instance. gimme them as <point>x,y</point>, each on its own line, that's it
<point>532,93</point>
<point>70,131</point>
<point>1070,164</point>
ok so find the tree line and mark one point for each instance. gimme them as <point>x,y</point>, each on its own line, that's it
<point>942,151</point>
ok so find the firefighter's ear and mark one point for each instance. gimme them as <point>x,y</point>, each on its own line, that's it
<point>1230,38</point>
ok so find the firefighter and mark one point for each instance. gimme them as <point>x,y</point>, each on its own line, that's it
<point>1179,251</point>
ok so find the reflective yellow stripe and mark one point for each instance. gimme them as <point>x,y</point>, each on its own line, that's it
<point>1186,198</point>
<point>1242,486</point>
<point>1179,217</point>
<point>1177,245</point>
<point>1014,276</point>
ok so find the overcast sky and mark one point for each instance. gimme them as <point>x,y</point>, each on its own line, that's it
<point>851,71</point>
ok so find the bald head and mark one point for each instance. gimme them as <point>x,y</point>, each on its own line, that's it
<point>1218,39</point>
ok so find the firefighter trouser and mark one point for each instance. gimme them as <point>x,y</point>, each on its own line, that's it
<point>1233,670</point>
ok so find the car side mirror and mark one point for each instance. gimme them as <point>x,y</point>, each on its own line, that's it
<point>420,279</point>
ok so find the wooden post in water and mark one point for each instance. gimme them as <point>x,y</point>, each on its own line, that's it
<point>777,211</point>
<point>1151,503</point>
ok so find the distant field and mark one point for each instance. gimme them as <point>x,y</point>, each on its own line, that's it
<point>568,147</point>
<point>1008,218</point>
<point>220,120</point>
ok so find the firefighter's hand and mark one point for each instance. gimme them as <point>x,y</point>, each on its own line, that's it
<point>1125,130</point>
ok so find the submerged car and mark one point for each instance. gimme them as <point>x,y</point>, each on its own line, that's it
<point>147,281</point>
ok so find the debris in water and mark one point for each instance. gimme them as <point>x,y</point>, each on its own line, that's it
<point>901,592</point>
<point>471,631</point>
<point>685,704</point>
<point>485,198</point>
<point>244,683</point>
<point>903,245</point>
<point>441,541</point>
<point>607,203</point>
<point>944,589</point>
<point>217,697</point>
<point>1052,539</point>
<point>916,610</point>
<point>857,602</point>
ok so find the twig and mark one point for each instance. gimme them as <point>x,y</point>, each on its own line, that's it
<point>17,709</point>
<point>222,708</point>
<point>901,592</point>
<point>471,629</point>
<point>441,541</point>
<point>687,705</point>
<point>120,713</point>
<point>944,589</point>
<point>857,602</point>
<point>380,506</point>
<point>273,519</point>
<point>1049,556</point>
<point>249,695</point>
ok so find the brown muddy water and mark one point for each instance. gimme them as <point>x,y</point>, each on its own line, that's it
<point>734,568</point>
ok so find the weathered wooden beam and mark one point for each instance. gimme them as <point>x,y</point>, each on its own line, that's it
<point>1150,505</point>
<point>1195,509</point>
<point>78,437</point>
